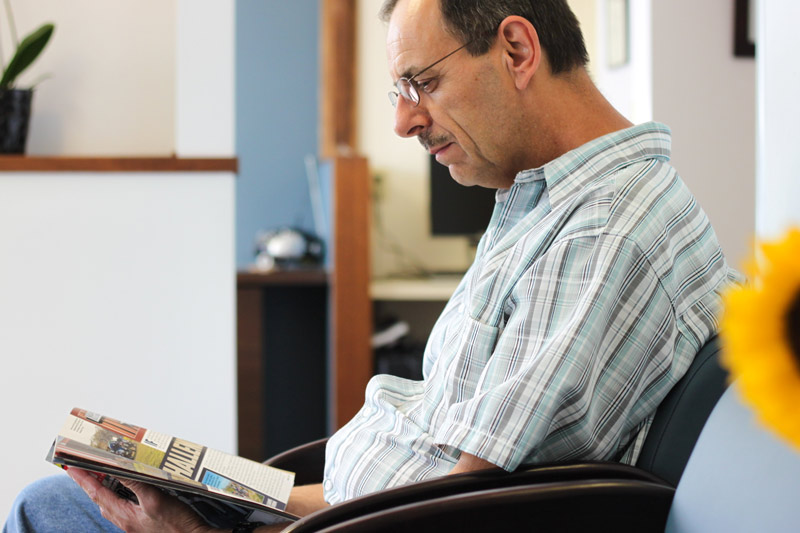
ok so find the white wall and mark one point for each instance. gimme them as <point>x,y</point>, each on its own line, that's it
<point>205,78</point>
<point>111,68</point>
<point>588,13</point>
<point>117,289</point>
<point>707,96</point>
<point>628,87</point>
<point>116,295</point>
<point>778,189</point>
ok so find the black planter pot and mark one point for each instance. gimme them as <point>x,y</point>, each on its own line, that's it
<point>15,114</point>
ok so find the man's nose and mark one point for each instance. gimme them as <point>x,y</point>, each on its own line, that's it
<point>410,120</point>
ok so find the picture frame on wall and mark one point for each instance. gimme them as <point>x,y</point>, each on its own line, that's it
<point>744,29</point>
<point>617,47</point>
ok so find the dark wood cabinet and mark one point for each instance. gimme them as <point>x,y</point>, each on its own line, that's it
<point>304,354</point>
<point>282,349</point>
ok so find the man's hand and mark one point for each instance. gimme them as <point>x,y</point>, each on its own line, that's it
<point>306,499</point>
<point>156,512</point>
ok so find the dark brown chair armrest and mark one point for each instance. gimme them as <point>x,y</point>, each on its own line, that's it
<point>306,461</point>
<point>460,485</point>
<point>587,505</point>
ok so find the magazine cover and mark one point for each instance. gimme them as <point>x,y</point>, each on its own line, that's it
<point>225,489</point>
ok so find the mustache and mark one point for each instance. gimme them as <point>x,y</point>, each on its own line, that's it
<point>428,140</point>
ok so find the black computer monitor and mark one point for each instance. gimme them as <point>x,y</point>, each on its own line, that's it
<point>456,209</point>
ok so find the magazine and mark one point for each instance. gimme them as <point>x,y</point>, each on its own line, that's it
<point>224,489</point>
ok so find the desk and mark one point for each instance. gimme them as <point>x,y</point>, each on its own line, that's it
<point>429,289</point>
<point>416,301</point>
<point>282,348</point>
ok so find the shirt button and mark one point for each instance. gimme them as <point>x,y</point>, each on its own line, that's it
<point>327,485</point>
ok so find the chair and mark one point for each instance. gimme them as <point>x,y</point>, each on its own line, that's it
<point>681,416</point>
<point>740,477</point>
<point>480,499</point>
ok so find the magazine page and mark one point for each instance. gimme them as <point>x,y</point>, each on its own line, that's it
<point>220,509</point>
<point>107,441</point>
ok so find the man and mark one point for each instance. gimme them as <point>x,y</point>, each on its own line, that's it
<point>594,286</point>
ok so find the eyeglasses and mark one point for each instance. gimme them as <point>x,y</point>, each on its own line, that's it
<point>409,89</point>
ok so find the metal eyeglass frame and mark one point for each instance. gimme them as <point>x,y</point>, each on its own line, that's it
<point>407,87</point>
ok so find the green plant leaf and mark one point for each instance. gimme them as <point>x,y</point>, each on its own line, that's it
<point>27,52</point>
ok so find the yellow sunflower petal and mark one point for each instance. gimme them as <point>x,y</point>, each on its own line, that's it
<point>755,336</point>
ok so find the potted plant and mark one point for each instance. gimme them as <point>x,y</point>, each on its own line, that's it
<point>15,104</point>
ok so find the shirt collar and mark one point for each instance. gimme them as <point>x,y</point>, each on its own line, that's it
<point>571,172</point>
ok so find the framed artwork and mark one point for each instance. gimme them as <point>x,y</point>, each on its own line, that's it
<point>744,32</point>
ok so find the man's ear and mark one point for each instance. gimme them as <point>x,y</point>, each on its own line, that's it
<point>521,49</point>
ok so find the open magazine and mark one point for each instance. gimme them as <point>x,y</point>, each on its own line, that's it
<point>224,489</point>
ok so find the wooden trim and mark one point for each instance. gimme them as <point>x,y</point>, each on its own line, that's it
<point>249,372</point>
<point>338,78</point>
<point>13,163</point>
<point>350,351</point>
<point>350,303</point>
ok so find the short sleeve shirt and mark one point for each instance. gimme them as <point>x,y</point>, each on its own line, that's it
<point>597,281</point>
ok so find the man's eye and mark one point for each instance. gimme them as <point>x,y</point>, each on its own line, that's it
<point>427,86</point>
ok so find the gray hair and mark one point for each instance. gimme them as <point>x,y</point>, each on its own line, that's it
<point>476,21</point>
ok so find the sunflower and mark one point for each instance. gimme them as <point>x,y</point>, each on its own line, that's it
<point>760,332</point>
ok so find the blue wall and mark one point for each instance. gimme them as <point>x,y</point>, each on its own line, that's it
<point>277,80</point>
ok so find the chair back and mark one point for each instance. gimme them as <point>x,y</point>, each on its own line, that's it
<point>681,416</point>
<point>740,477</point>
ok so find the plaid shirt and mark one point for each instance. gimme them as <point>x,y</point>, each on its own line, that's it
<point>595,284</point>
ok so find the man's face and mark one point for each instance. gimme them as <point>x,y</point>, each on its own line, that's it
<point>464,116</point>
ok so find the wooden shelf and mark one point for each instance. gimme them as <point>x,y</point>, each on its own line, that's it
<point>16,163</point>
<point>315,276</point>
<point>282,346</point>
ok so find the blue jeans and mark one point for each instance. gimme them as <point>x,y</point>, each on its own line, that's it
<point>55,503</point>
